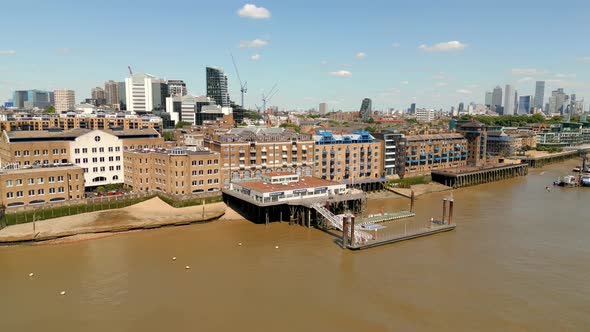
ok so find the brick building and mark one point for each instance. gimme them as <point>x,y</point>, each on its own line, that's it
<point>425,153</point>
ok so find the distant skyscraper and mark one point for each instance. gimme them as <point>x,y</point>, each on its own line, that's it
<point>525,105</point>
<point>413,108</point>
<point>461,108</point>
<point>488,100</point>
<point>539,94</point>
<point>323,108</point>
<point>29,99</point>
<point>217,86</point>
<point>98,93</point>
<point>176,87</point>
<point>122,95</point>
<point>366,110</point>
<point>138,90</point>
<point>557,102</point>
<point>509,94</point>
<point>65,100</point>
<point>496,99</point>
<point>111,91</point>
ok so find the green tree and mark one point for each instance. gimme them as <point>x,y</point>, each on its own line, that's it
<point>49,110</point>
<point>181,124</point>
<point>100,190</point>
<point>168,136</point>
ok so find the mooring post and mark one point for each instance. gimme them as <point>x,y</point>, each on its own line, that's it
<point>444,215</point>
<point>346,224</point>
<point>352,230</point>
<point>412,202</point>
<point>451,201</point>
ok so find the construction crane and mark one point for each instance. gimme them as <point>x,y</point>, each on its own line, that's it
<point>243,87</point>
<point>130,71</point>
<point>268,96</point>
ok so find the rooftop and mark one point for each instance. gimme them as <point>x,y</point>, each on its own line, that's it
<point>38,135</point>
<point>37,169</point>
<point>411,138</point>
<point>304,183</point>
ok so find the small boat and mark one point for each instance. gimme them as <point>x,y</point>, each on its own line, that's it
<point>577,169</point>
<point>567,181</point>
<point>585,181</point>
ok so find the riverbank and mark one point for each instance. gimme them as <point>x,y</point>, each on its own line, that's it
<point>152,213</point>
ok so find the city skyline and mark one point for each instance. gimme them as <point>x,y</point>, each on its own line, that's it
<point>389,59</point>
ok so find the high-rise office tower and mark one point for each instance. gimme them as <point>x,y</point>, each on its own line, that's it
<point>138,93</point>
<point>461,108</point>
<point>525,105</point>
<point>159,94</point>
<point>496,99</point>
<point>217,86</point>
<point>19,98</point>
<point>111,91</point>
<point>413,108</point>
<point>65,100</point>
<point>557,102</point>
<point>121,91</point>
<point>509,94</point>
<point>488,100</point>
<point>539,94</point>
<point>323,108</point>
<point>30,99</point>
<point>98,93</point>
<point>366,110</point>
<point>176,88</point>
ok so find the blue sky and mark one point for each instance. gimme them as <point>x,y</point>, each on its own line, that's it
<point>310,47</point>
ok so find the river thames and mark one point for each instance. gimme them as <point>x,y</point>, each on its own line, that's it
<point>518,261</point>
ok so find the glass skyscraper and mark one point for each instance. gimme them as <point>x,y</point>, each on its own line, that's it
<point>539,94</point>
<point>217,86</point>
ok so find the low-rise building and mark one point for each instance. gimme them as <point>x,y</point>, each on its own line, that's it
<point>98,152</point>
<point>51,122</point>
<point>348,158</point>
<point>286,186</point>
<point>425,153</point>
<point>40,185</point>
<point>507,143</point>
<point>177,171</point>
<point>250,152</point>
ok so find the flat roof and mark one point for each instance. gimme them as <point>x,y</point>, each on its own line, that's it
<point>279,174</point>
<point>433,137</point>
<point>72,134</point>
<point>307,182</point>
<point>40,169</point>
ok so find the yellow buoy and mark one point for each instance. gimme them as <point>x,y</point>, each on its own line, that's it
<point>31,274</point>
<point>62,293</point>
<point>173,258</point>
<point>187,267</point>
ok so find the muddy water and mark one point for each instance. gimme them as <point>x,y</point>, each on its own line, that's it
<point>518,261</point>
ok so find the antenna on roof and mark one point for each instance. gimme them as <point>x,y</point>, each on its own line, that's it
<point>130,71</point>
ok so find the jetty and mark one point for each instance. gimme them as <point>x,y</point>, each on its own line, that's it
<point>471,176</point>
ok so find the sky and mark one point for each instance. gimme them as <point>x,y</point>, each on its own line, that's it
<point>436,53</point>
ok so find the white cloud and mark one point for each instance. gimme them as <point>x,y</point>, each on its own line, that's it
<point>8,52</point>
<point>255,57</point>
<point>584,59</point>
<point>528,71</point>
<point>252,11</point>
<point>526,79</point>
<point>341,73</point>
<point>453,45</point>
<point>473,86</point>
<point>253,43</point>
<point>361,55</point>
<point>464,92</point>
<point>441,84</point>
<point>405,82</point>
<point>396,45</point>
<point>565,75</point>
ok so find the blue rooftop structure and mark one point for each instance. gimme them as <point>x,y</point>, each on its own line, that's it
<point>357,136</point>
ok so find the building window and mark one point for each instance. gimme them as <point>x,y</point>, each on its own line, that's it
<point>76,151</point>
<point>117,149</point>
<point>19,194</point>
<point>36,152</point>
<point>31,181</point>
<point>102,159</point>
<point>209,171</point>
<point>51,179</point>
<point>102,168</point>
<point>110,149</point>
<point>117,158</point>
<point>100,149</point>
<point>26,153</point>
<point>40,180</point>
<point>97,138</point>
<point>9,183</point>
<point>60,189</point>
<point>77,161</point>
<point>45,152</point>
<point>17,153</point>
<point>111,158</point>
<point>40,192</point>
<point>194,163</point>
<point>200,162</point>
<point>94,150</point>
<point>31,192</point>
<point>118,168</point>
<point>19,182</point>
<point>85,160</point>
<point>9,194</point>
<point>85,170</point>
<point>60,178</point>
<point>84,150</point>
<point>200,172</point>
<point>209,162</point>
<point>111,168</point>
<point>63,151</point>
<point>52,190</point>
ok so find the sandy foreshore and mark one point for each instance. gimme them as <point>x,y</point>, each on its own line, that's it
<point>149,214</point>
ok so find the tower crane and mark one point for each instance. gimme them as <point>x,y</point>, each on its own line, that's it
<point>266,97</point>
<point>243,87</point>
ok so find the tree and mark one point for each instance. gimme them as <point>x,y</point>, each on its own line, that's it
<point>369,120</point>
<point>181,124</point>
<point>100,190</point>
<point>168,136</point>
<point>49,110</point>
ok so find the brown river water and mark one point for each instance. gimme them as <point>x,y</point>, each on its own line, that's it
<point>518,261</point>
